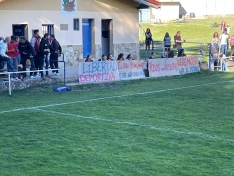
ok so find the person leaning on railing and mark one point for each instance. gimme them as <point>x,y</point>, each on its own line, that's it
<point>4,57</point>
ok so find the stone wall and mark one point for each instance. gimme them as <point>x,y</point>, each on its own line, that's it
<point>74,53</point>
<point>127,48</point>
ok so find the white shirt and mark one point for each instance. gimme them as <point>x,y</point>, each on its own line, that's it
<point>224,39</point>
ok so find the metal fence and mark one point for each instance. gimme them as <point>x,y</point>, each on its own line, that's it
<point>191,48</point>
<point>32,71</point>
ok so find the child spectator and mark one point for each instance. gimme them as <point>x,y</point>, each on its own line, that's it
<point>181,53</point>
<point>129,57</point>
<point>88,59</point>
<point>120,57</point>
<point>109,57</point>
<point>104,58</point>
<point>224,62</point>
<point>171,54</point>
<point>165,54</point>
<point>152,56</point>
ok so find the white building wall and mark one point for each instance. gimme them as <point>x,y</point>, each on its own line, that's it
<point>35,19</point>
<point>170,8</point>
<point>168,11</point>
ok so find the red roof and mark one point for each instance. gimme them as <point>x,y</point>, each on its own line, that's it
<point>154,2</point>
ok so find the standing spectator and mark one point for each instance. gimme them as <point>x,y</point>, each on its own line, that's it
<point>35,42</point>
<point>215,40</point>
<point>232,44</point>
<point>178,41</point>
<point>12,52</point>
<point>223,26</point>
<point>18,54</point>
<point>223,42</point>
<point>167,42</point>
<point>148,39</point>
<point>55,52</point>
<point>104,58</point>
<point>44,52</point>
<point>130,57</point>
<point>120,57</point>
<point>109,57</point>
<point>26,52</point>
<point>3,56</point>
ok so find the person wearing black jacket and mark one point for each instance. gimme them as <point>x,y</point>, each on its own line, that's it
<point>26,52</point>
<point>44,52</point>
<point>55,52</point>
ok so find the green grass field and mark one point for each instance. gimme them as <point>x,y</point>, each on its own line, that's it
<point>166,126</point>
<point>197,30</point>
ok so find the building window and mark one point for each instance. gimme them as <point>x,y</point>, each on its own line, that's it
<point>63,27</point>
<point>76,24</point>
<point>48,28</point>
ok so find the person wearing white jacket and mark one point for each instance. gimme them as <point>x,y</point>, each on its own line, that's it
<point>4,57</point>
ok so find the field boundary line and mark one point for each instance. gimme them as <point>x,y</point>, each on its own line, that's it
<point>137,124</point>
<point>110,97</point>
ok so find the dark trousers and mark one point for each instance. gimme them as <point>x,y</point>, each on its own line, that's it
<point>54,62</point>
<point>43,60</point>
<point>24,63</point>
<point>8,61</point>
<point>36,62</point>
<point>167,48</point>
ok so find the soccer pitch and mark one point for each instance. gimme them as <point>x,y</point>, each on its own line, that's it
<point>166,126</point>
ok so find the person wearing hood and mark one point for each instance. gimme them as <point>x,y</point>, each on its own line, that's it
<point>3,56</point>
<point>44,52</point>
<point>55,52</point>
<point>26,52</point>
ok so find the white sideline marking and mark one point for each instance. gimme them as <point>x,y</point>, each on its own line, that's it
<point>117,96</point>
<point>139,125</point>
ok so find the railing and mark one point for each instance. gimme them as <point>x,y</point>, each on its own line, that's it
<point>190,48</point>
<point>9,73</point>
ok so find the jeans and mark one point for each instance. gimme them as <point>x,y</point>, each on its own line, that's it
<point>224,49</point>
<point>1,64</point>
<point>15,63</point>
<point>8,61</point>
<point>54,62</point>
<point>43,60</point>
<point>224,66</point>
<point>216,45</point>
